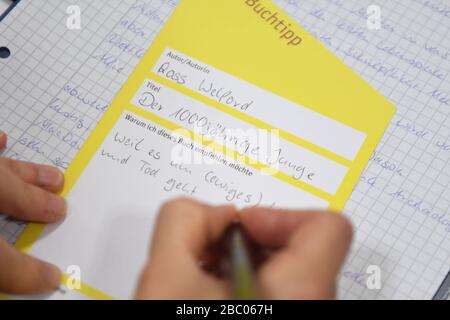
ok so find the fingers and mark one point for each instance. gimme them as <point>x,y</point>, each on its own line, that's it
<point>22,190</point>
<point>28,202</point>
<point>331,235</point>
<point>311,249</point>
<point>184,229</point>
<point>185,223</point>
<point>273,228</point>
<point>3,140</point>
<point>315,255</point>
<point>46,177</point>
<point>19,273</point>
<point>22,274</point>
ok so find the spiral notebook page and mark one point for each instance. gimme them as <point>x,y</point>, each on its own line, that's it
<point>400,208</point>
<point>58,83</point>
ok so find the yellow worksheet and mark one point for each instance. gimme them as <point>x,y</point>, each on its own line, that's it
<point>233,103</point>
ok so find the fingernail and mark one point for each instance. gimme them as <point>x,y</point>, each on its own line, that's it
<point>49,176</point>
<point>51,275</point>
<point>57,205</point>
<point>2,139</point>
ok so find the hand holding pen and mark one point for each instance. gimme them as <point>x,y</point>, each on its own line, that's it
<point>295,254</point>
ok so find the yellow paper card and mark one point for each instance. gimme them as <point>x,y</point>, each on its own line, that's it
<point>233,103</point>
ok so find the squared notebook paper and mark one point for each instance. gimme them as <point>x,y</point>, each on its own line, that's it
<point>233,102</point>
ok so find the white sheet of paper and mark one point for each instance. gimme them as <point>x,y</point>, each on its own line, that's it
<point>130,182</point>
<point>400,209</point>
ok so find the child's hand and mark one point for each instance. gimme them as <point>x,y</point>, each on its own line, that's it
<point>27,192</point>
<point>306,252</point>
<point>183,232</point>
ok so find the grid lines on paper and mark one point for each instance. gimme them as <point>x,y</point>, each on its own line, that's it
<point>410,168</point>
<point>411,249</point>
<point>53,88</point>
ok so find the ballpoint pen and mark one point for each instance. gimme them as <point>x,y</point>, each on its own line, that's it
<point>240,265</point>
